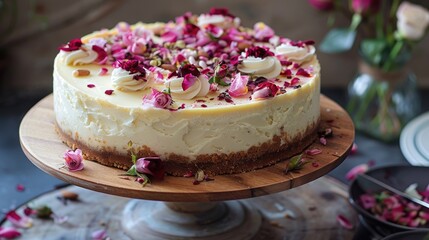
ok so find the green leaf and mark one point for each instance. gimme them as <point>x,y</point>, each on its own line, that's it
<point>132,171</point>
<point>338,40</point>
<point>218,80</point>
<point>373,50</point>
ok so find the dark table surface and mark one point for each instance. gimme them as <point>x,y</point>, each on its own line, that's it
<point>15,168</point>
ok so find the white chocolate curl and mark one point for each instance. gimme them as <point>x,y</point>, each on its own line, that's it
<point>199,89</point>
<point>268,67</point>
<point>123,80</point>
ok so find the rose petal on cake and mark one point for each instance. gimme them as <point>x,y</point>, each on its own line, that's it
<point>103,71</point>
<point>188,81</point>
<point>302,72</point>
<point>109,92</point>
<point>344,222</point>
<point>102,54</point>
<point>73,45</point>
<point>169,36</point>
<point>238,86</point>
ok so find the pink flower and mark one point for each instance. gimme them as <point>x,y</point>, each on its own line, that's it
<point>412,20</point>
<point>238,86</point>
<point>9,233</point>
<point>365,6</point>
<point>265,90</point>
<point>152,166</point>
<point>100,234</point>
<point>19,221</point>
<point>169,36</point>
<point>262,31</point>
<point>74,160</point>
<point>359,169</point>
<point>367,201</point>
<point>158,99</point>
<point>323,5</point>
<point>259,52</point>
<point>214,31</point>
<point>73,45</point>
<point>221,11</point>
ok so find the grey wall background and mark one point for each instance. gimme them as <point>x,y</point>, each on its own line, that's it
<point>26,55</point>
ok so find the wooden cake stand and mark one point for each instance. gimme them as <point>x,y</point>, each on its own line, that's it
<point>184,210</point>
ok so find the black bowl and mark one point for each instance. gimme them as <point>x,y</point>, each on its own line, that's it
<point>399,177</point>
<point>409,235</point>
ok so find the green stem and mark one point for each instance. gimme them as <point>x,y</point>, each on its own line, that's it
<point>393,55</point>
<point>394,8</point>
<point>356,20</point>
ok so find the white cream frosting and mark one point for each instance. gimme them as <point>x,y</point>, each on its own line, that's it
<point>199,89</point>
<point>111,121</point>
<point>268,67</point>
<point>123,80</point>
<point>85,55</point>
<point>294,53</point>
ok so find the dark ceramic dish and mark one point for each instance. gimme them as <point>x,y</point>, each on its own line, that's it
<point>409,235</point>
<point>399,177</point>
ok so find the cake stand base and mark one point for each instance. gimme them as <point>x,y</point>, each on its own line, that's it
<point>305,213</point>
<point>173,220</point>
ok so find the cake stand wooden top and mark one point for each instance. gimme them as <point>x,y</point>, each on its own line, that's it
<point>43,147</point>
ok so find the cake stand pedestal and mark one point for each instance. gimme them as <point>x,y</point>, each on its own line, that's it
<point>188,211</point>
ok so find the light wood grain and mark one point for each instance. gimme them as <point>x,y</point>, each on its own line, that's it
<point>305,213</point>
<point>42,146</point>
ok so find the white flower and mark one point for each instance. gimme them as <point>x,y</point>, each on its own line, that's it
<point>412,20</point>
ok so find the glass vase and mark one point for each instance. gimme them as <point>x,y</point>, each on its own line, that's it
<point>381,103</point>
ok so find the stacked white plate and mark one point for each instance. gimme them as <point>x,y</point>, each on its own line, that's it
<point>414,141</point>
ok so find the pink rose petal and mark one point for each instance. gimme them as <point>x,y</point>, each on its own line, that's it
<point>188,81</point>
<point>20,188</point>
<point>100,234</point>
<point>359,169</point>
<point>103,71</point>
<point>313,151</point>
<point>344,222</point>
<point>9,233</point>
<point>18,220</point>
<point>238,86</point>
<point>323,141</point>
